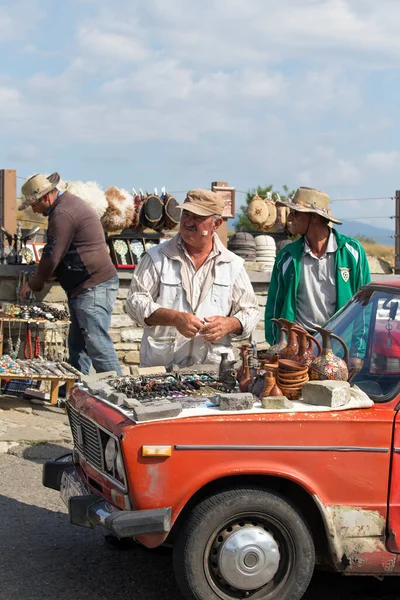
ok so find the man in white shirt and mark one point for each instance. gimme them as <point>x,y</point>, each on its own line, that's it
<point>191,294</point>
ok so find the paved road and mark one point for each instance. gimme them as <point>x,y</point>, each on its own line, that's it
<point>43,557</point>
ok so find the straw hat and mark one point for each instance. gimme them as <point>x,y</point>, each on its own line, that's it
<point>312,201</point>
<point>261,213</point>
<point>36,187</point>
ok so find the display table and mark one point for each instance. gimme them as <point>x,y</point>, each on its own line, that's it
<point>54,385</point>
<point>4,318</point>
<point>54,380</point>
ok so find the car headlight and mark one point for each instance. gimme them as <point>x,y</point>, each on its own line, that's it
<point>110,454</point>
<point>120,466</point>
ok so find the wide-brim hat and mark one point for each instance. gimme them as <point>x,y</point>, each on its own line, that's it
<point>36,187</point>
<point>262,213</point>
<point>312,201</point>
<point>204,203</point>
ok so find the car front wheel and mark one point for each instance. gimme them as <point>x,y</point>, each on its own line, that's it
<point>244,543</point>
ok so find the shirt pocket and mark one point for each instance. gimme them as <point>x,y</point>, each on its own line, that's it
<point>158,352</point>
<point>170,290</point>
<point>221,295</point>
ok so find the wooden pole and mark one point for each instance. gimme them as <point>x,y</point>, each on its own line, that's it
<point>397,234</point>
<point>230,194</point>
<point>8,199</point>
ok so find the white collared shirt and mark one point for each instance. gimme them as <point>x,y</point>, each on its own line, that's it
<point>316,294</point>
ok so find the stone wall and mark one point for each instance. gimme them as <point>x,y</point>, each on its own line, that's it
<point>125,334</point>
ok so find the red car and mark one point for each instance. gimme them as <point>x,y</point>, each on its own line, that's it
<point>252,502</point>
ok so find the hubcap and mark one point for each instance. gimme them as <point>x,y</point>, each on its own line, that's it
<point>247,556</point>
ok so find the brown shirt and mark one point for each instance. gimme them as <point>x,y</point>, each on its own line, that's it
<point>76,250</point>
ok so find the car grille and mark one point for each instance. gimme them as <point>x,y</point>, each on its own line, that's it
<point>87,438</point>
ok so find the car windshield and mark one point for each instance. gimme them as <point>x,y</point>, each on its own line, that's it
<point>370,327</point>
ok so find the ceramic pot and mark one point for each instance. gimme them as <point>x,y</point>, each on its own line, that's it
<point>244,349</point>
<point>291,393</point>
<point>328,365</point>
<point>275,350</point>
<point>273,367</point>
<point>305,354</point>
<point>276,391</point>
<point>292,348</point>
<point>291,365</point>
<point>227,373</point>
<point>243,374</point>
<point>269,384</point>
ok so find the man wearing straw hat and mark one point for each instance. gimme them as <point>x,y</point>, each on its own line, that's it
<point>76,253</point>
<point>316,275</point>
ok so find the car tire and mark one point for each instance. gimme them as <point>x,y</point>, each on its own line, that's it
<point>256,529</point>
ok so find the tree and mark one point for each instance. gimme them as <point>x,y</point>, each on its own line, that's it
<point>242,221</point>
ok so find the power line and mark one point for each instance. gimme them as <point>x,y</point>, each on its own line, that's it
<point>334,200</point>
<point>363,199</point>
<point>361,218</point>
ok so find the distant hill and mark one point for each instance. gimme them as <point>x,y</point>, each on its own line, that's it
<point>355,229</point>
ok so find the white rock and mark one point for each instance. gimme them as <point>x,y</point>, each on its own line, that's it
<point>326,393</point>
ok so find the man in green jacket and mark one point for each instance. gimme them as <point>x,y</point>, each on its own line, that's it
<point>316,275</point>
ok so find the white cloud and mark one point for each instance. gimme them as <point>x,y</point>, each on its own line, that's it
<point>8,26</point>
<point>111,45</point>
<point>12,26</point>
<point>383,161</point>
<point>324,168</point>
<point>23,153</point>
<point>279,91</point>
<point>325,89</point>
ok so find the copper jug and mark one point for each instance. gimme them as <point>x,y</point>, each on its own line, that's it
<point>292,348</point>
<point>271,354</point>
<point>269,384</point>
<point>328,365</point>
<point>243,374</point>
<point>305,355</point>
<point>244,349</point>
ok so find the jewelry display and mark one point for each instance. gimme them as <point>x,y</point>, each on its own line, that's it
<point>15,353</point>
<point>37,342</point>
<point>137,249</point>
<point>28,348</point>
<point>33,312</point>
<point>122,251</point>
<point>10,341</point>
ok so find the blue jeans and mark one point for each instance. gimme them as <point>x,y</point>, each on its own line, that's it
<point>89,341</point>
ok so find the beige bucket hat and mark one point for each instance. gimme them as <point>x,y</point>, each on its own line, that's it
<point>203,203</point>
<point>36,187</point>
<point>312,201</point>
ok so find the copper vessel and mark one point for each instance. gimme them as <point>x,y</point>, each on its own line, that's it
<point>328,365</point>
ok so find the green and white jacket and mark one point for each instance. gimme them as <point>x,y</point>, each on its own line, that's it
<point>352,272</point>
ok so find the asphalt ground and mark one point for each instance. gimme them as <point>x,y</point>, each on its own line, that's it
<point>43,557</point>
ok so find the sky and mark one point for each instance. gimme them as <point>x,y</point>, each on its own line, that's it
<point>178,93</point>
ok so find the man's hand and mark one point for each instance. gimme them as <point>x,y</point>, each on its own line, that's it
<point>187,324</point>
<point>25,290</point>
<point>217,327</point>
<point>355,365</point>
